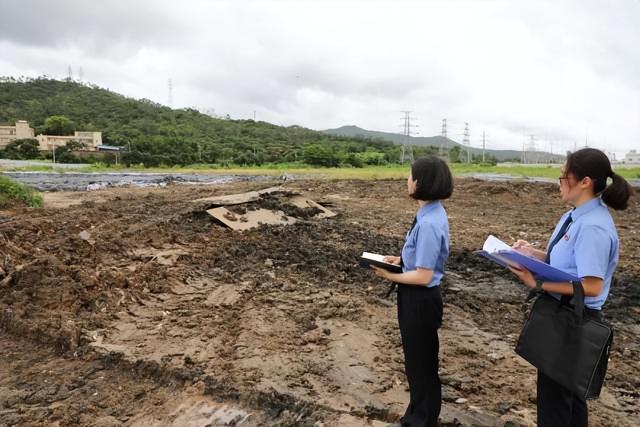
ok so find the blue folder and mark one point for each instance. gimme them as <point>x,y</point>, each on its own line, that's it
<point>541,270</point>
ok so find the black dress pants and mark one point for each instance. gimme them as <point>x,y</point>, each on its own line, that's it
<point>558,406</point>
<point>420,316</point>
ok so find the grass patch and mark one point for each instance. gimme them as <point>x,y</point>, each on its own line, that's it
<point>12,192</point>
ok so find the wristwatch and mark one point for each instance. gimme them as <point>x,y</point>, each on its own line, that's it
<point>539,285</point>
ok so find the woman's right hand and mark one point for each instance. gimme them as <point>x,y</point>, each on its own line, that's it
<point>523,247</point>
<point>392,259</point>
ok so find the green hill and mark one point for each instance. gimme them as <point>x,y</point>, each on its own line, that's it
<point>157,134</point>
<point>355,131</point>
<point>436,141</point>
<point>154,134</point>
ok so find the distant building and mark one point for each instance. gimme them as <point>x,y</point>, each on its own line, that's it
<point>632,157</point>
<point>10,133</point>
<point>92,140</point>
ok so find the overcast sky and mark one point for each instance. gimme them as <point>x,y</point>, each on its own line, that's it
<point>565,71</point>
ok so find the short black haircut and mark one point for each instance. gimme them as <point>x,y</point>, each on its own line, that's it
<point>434,180</point>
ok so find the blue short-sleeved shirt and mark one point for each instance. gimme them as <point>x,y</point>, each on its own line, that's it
<point>590,247</point>
<point>427,244</point>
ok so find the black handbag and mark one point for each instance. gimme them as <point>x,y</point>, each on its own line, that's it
<point>565,345</point>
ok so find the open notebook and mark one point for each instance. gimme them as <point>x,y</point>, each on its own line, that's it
<point>368,259</point>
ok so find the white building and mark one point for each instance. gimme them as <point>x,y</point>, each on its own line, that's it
<point>10,133</point>
<point>91,140</point>
<point>632,157</point>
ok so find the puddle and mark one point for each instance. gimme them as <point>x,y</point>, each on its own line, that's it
<point>75,181</point>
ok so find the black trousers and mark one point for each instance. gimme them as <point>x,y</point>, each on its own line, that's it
<point>558,406</point>
<point>420,316</point>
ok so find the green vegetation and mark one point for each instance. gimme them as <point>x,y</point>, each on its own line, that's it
<point>12,192</point>
<point>153,135</point>
<point>58,125</point>
<point>21,149</point>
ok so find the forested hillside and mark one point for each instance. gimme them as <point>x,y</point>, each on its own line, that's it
<point>154,134</point>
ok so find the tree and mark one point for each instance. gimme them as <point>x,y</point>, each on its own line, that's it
<point>65,154</point>
<point>319,155</point>
<point>454,154</point>
<point>58,125</point>
<point>22,149</point>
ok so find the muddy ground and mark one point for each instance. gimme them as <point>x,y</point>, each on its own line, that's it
<point>134,307</point>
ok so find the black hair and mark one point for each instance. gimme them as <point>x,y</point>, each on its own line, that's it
<point>595,164</point>
<point>434,180</point>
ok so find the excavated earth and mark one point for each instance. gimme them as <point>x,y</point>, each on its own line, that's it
<point>135,307</point>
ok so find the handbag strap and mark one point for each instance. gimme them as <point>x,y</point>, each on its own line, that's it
<point>578,299</point>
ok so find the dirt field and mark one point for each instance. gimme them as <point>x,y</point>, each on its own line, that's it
<point>134,307</point>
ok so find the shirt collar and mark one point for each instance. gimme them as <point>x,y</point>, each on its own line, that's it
<point>585,207</point>
<point>429,207</point>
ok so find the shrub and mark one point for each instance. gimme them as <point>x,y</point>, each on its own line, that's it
<point>12,192</point>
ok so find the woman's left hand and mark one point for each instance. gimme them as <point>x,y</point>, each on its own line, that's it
<point>524,275</point>
<point>380,272</point>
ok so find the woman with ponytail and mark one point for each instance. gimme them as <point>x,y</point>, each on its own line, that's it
<point>584,243</point>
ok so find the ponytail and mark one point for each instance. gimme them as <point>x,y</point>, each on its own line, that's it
<point>617,194</point>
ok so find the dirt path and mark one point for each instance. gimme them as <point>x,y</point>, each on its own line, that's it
<point>278,323</point>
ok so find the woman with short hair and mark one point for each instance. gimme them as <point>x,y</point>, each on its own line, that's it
<point>424,255</point>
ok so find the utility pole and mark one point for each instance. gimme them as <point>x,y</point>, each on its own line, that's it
<point>524,149</point>
<point>254,115</point>
<point>466,142</point>
<point>483,145</point>
<point>406,152</point>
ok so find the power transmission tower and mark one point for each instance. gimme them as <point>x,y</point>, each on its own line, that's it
<point>406,152</point>
<point>69,73</point>
<point>170,90</point>
<point>441,152</point>
<point>483,145</point>
<point>80,74</point>
<point>466,142</point>
<point>532,148</point>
